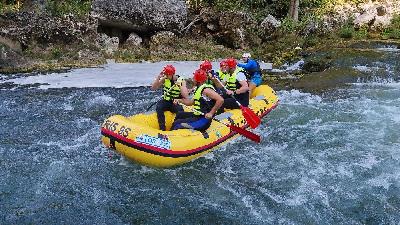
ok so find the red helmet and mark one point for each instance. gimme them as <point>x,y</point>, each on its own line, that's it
<point>223,63</point>
<point>169,70</point>
<point>231,63</point>
<point>206,65</point>
<point>200,76</point>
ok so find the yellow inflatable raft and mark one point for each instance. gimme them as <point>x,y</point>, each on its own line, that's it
<point>138,137</point>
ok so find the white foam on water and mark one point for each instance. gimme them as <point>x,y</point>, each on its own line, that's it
<point>101,100</point>
<point>117,75</point>
<point>55,169</point>
<point>209,156</point>
<point>365,68</point>
<point>289,68</point>
<point>383,180</point>
<point>389,49</point>
<point>248,202</point>
<point>68,106</point>
<point>368,162</point>
<point>296,97</point>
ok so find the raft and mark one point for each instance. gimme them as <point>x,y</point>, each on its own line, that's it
<point>138,137</point>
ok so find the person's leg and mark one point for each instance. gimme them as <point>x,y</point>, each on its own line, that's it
<point>160,108</point>
<point>176,108</point>
<point>201,124</point>
<point>181,116</point>
<point>230,103</point>
<point>251,88</point>
<point>182,123</point>
<point>254,82</point>
<point>196,123</point>
<point>243,99</point>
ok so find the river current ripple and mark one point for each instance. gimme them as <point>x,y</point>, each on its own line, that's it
<point>332,158</point>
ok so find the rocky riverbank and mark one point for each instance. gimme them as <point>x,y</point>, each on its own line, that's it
<point>131,31</point>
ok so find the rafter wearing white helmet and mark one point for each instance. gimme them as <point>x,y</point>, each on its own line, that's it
<point>246,55</point>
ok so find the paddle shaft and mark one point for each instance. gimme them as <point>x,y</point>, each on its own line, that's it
<point>252,119</point>
<point>250,135</point>
<point>217,78</point>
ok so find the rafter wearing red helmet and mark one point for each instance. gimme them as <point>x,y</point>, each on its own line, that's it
<point>236,86</point>
<point>206,103</point>
<point>174,87</point>
<point>223,70</point>
<point>207,67</point>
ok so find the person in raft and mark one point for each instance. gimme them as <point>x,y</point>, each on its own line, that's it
<point>206,103</point>
<point>211,76</point>
<point>236,86</point>
<point>223,70</point>
<point>174,87</point>
<point>207,67</point>
<point>253,71</point>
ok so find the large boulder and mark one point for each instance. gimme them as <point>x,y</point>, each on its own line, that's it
<point>231,28</point>
<point>28,27</point>
<point>269,25</point>
<point>141,15</point>
<point>10,58</point>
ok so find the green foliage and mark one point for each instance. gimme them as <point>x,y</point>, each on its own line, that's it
<point>290,26</point>
<point>76,7</point>
<point>131,55</point>
<point>396,22</point>
<point>361,33</point>
<point>56,53</point>
<point>346,31</point>
<point>393,31</point>
<point>6,7</point>
<point>310,41</point>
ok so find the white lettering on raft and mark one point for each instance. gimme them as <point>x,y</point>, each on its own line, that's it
<point>154,141</point>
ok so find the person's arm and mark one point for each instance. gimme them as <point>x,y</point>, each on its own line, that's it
<point>247,66</point>
<point>218,101</point>
<point>158,82</point>
<point>217,82</point>
<point>185,101</point>
<point>243,82</point>
<point>184,90</point>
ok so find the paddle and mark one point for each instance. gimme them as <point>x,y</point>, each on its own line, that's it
<point>250,135</point>
<point>251,117</point>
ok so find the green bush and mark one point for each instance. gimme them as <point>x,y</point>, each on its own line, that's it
<point>56,53</point>
<point>393,31</point>
<point>395,23</point>
<point>8,7</point>
<point>361,33</point>
<point>76,7</point>
<point>346,31</point>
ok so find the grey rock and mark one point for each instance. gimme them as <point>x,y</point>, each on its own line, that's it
<point>107,44</point>
<point>141,15</point>
<point>133,40</point>
<point>381,10</point>
<point>270,24</point>
<point>365,19</point>
<point>163,37</point>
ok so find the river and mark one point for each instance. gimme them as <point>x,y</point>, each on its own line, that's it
<point>331,158</point>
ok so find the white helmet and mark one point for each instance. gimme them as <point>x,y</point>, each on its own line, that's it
<point>246,55</point>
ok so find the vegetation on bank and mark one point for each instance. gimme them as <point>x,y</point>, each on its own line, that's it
<point>287,44</point>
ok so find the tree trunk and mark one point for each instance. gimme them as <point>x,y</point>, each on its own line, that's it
<point>294,10</point>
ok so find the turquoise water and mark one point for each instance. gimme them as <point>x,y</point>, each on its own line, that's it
<point>332,158</point>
